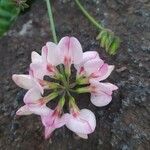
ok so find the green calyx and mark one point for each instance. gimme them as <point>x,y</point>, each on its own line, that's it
<point>63,86</point>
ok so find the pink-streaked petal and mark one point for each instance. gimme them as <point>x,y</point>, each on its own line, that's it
<point>23,81</point>
<point>90,55</point>
<point>44,54</point>
<point>93,65</point>
<point>105,72</point>
<point>39,110</point>
<point>88,115</point>
<point>39,86</point>
<point>48,131</point>
<point>76,49</point>
<point>71,50</point>
<point>60,121</point>
<point>101,71</point>
<point>46,119</point>
<point>103,87</point>
<point>24,110</point>
<point>32,96</point>
<point>53,56</point>
<point>87,58</point>
<point>84,136</point>
<point>38,70</point>
<point>84,123</point>
<point>35,57</point>
<point>101,99</point>
<point>109,86</point>
<point>53,120</point>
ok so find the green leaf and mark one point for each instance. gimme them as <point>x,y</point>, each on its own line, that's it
<point>9,11</point>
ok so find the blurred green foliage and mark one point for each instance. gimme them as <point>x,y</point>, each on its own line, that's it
<point>109,41</point>
<point>9,11</point>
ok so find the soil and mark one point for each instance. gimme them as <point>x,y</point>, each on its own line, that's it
<point>122,125</point>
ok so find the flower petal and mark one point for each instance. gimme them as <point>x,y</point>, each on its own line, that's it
<point>24,110</point>
<point>90,55</point>
<point>105,72</point>
<point>48,131</point>
<point>32,96</point>
<point>23,81</point>
<point>102,87</point>
<point>35,57</point>
<point>44,54</point>
<point>39,110</point>
<point>38,70</point>
<point>71,50</point>
<point>53,56</point>
<point>93,66</point>
<point>87,58</point>
<point>102,93</point>
<point>83,124</point>
<point>53,120</point>
<point>84,136</point>
<point>101,99</point>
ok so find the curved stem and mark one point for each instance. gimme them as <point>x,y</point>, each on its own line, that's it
<point>91,19</point>
<point>52,25</point>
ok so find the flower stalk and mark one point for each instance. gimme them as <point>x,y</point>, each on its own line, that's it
<point>106,37</point>
<point>90,18</point>
<point>52,25</point>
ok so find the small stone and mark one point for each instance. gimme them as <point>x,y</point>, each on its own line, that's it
<point>121,69</point>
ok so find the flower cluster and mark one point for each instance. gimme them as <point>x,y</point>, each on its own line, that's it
<point>50,78</point>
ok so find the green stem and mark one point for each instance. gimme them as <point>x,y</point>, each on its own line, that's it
<point>52,25</point>
<point>91,19</point>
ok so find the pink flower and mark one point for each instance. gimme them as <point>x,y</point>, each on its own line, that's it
<point>67,52</point>
<point>34,104</point>
<point>52,121</point>
<point>27,82</point>
<point>90,70</point>
<point>46,63</point>
<point>82,122</point>
<point>70,51</point>
<point>101,93</point>
<point>93,67</point>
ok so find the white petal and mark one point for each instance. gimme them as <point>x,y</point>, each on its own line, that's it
<point>32,96</point>
<point>84,123</point>
<point>90,55</point>
<point>24,110</point>
<point>89,116</point>
<point>44,54</point>
<point>93,65</point>
<point>70,48</point>
<point>38,70</point>
<point>35,57</point>
<point>76,49</point>
<point>53,56</point>
<point>107,73</point>
<point>84,136</point>
<point>23,81</point>
<point>87,58</point>
<point>101,99</point>
<point>39,110</point>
